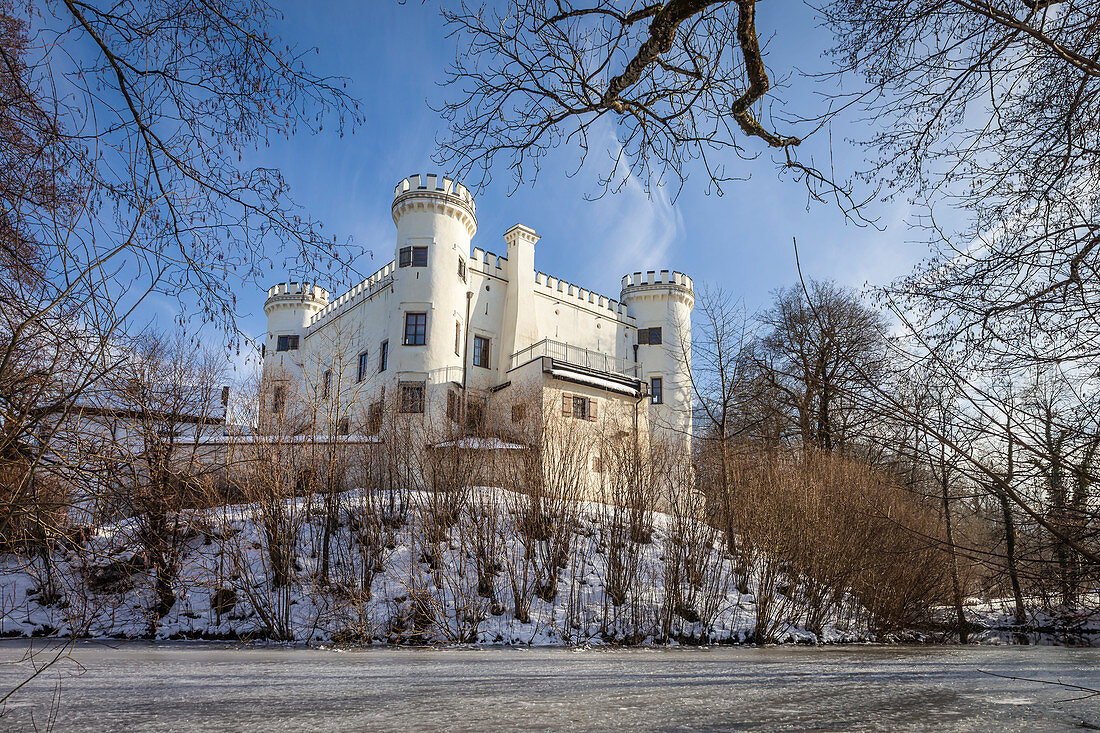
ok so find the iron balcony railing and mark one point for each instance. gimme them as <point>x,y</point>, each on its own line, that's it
<point>578,356</point>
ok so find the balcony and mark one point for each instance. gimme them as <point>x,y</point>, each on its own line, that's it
<point>576,356</point>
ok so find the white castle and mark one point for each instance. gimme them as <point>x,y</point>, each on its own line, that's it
<point>453,331</point>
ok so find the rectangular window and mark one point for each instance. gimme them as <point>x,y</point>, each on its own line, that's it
<point>361,372</point>
<point>278,397</point>
<point>287,343</point>
<point>475,414</point>
<point>656,390</point>
<point>452,406</point>
<point>412,397</point>
<point>458,338</point>
<point>326,384</point>
<point>578,407</point>
<point>412,257</point>
<point>649,335</point>
<point>481,351</point>
<point>462,269</point>
<point>416,328</point>
<point>383,355</point>
<point>374,417</point>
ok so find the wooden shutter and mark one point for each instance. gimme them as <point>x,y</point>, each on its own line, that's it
<point>566,404</point>
<point>592,409</point>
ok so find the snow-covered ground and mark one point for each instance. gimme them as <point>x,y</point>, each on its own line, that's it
<point>418,591</point>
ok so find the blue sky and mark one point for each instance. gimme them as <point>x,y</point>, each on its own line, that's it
<point>394,57</point>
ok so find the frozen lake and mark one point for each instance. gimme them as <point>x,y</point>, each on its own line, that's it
<point>174,686</point>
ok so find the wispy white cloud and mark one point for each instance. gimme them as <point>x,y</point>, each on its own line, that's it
<point>633,229</point>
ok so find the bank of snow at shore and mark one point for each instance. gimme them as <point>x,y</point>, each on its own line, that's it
<point>597,583</point>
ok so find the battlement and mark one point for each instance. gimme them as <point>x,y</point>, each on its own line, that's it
<point>302,291</point>
<point>489,262</point>
<point>654,278</point>
<point>432,191</point>
<point>363,291</point>
<point>566,291</point>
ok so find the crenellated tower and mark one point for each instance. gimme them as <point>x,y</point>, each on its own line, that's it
<point>436,220</point>
<point>289,307</point>
<point>661,302</point>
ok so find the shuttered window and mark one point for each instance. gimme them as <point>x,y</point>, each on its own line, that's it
<point>579,407</point>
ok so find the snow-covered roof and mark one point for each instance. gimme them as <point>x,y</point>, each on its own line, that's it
<point>227,439</point>
<point>595,381</point>
<point>475,443</point>
<point>186,403</point>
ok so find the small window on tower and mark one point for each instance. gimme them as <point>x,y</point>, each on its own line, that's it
<point>326,384</point>
<point>383,355</point>
<point>287,343</point>
<point>462,269</point>
<point>361,373</point>
<point>656,390</point>
<point>416,328</point>
<point>481,351</point>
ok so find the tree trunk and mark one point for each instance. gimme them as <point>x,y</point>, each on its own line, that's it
<point>1010,557</point>
<point>956,588</point>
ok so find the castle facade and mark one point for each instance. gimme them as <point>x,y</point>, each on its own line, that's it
<point>452,333</point>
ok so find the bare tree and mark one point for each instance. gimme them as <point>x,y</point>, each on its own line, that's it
<point>822,352</point>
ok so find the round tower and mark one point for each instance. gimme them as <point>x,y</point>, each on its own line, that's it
<point>289,308</point>
<point>661,303</point>
<point>436,220</point>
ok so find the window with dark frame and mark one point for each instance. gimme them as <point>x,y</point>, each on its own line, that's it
<point>452,405</point>
<point>416,328</point>
<point>361,372</point>
<point>374,417</point>
<point>278,397</point>
<point>326,384</point>
<point>474,414</point>
<point>383,355</point>
<point>287,343</point>
<point>481,351</point>
<point>578,407</point>
<point>656,390</point>
<point>650,336</point>
<point>462,269</point>
<point>412,257</point>
<point>412,397</point>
